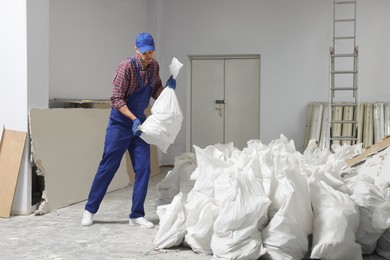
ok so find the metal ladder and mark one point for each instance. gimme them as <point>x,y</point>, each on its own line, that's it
<point>344,109</point>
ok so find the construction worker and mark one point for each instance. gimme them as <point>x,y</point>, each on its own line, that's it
<point>136,80</point>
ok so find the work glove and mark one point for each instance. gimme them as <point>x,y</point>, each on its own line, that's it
<point>136,123</point>
<point>171,82</point>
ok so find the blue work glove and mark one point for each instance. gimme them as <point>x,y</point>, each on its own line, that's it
<point>136,123</point>
<point>171,82</point>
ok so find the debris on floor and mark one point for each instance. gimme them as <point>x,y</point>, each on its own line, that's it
<point>268,200</point>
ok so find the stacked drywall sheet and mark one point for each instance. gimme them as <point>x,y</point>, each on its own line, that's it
<point>386,119</point>
<point>379,122</point>
<point>315,131</point>
<point>373,123</point>
<point>324,144</point>
<point>317,123</point>
<point>337,127</point>
<point>67,145</point>
<point>368,125</point>
<point>309,118</point>
<point>347,128</point>
<point>361,123</point>
<point>267,199</point>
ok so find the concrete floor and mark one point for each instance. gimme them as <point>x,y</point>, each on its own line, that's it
<point>59,235</point>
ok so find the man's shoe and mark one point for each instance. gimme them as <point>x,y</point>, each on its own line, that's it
<point>143,222</point>
<point>87,218</point>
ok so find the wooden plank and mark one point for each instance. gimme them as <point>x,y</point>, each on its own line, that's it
<point>11,154</point>
<point>371,150</point>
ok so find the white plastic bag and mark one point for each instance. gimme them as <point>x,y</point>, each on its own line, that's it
<point>383,247</point>
<point>172,223</point>
<point>201,205</point>
<point>371,201</point>
<point>243,203</point>
<point>175,67</point>
<point>163,125</point>
<point>336,219</point>
<point>285,237</point>
<point>178,179</point>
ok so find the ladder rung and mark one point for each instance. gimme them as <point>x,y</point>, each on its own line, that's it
<point>344,88</point>
<point>345,20</point>
<point>344,37</point>
<point>349,138</point>
<point>344,55</point>
<point>345,2</point>
<point>343,122</point>
<point>343,105</point>
<point>344,72</point>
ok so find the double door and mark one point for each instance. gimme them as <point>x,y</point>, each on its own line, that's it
<point>225,101</point>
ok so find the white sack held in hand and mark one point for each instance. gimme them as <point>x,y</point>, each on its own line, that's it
<point>175,67</point>
<point>163,125</point>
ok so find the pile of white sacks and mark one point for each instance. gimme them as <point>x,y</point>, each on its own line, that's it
<point>267,200</point>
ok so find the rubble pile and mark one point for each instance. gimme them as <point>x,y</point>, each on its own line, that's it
<point>274,202</point>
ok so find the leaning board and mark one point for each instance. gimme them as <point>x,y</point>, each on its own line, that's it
<point>11,154</point>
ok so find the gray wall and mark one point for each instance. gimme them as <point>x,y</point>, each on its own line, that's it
<point>89,38</point>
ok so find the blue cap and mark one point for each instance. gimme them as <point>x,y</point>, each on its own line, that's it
<point>144,42</point>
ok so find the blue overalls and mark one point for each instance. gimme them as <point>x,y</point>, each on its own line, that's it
<point>119,137</point>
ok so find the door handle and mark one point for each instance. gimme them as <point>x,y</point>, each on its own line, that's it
<point>219,110</point>
<point>220,101</point>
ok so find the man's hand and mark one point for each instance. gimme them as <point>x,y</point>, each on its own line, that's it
<point>136,123</point>
<point>171,82</point>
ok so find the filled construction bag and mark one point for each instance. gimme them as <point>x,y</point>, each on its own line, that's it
<point>336,220</point>
<point>178,179</point>
<point>286,235</point>
<point>374,207</point>
<point>201,206</point>
<point>172,217</point>
<point>164,123</point>
<point>383,247</point>
<point>243,203</point>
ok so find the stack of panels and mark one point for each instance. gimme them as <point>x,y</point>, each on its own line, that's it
<point>361,120</point>
<point>337,115</point>
<point>347,128</point>
<point>368,125</point>
<point>373,118</point>
<point>315,131</point>
<point>386,113</point>
<point>324,144</point>
<point>378,121</point>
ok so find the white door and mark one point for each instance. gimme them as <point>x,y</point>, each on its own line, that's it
<point>225,101</point>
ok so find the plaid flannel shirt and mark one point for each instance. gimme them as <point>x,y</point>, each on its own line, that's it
<point>125,81</point>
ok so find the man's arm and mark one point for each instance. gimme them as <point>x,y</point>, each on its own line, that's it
<point>126,112</point>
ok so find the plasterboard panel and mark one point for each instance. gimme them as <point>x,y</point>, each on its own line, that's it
<point>1,132</point>
<point>11,154</point>
<point>315,132</point>
<point>378,121</point>
<point>336,127</point>
<point>67,146</point>
<point>347,128</point>
<point>368,127</point>
<point>309,115</point>
<point>387,118</point>
<point>324,141</point>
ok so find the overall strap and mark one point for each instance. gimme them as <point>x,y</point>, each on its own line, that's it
<point>139,74</point>
<point>137,71</point>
